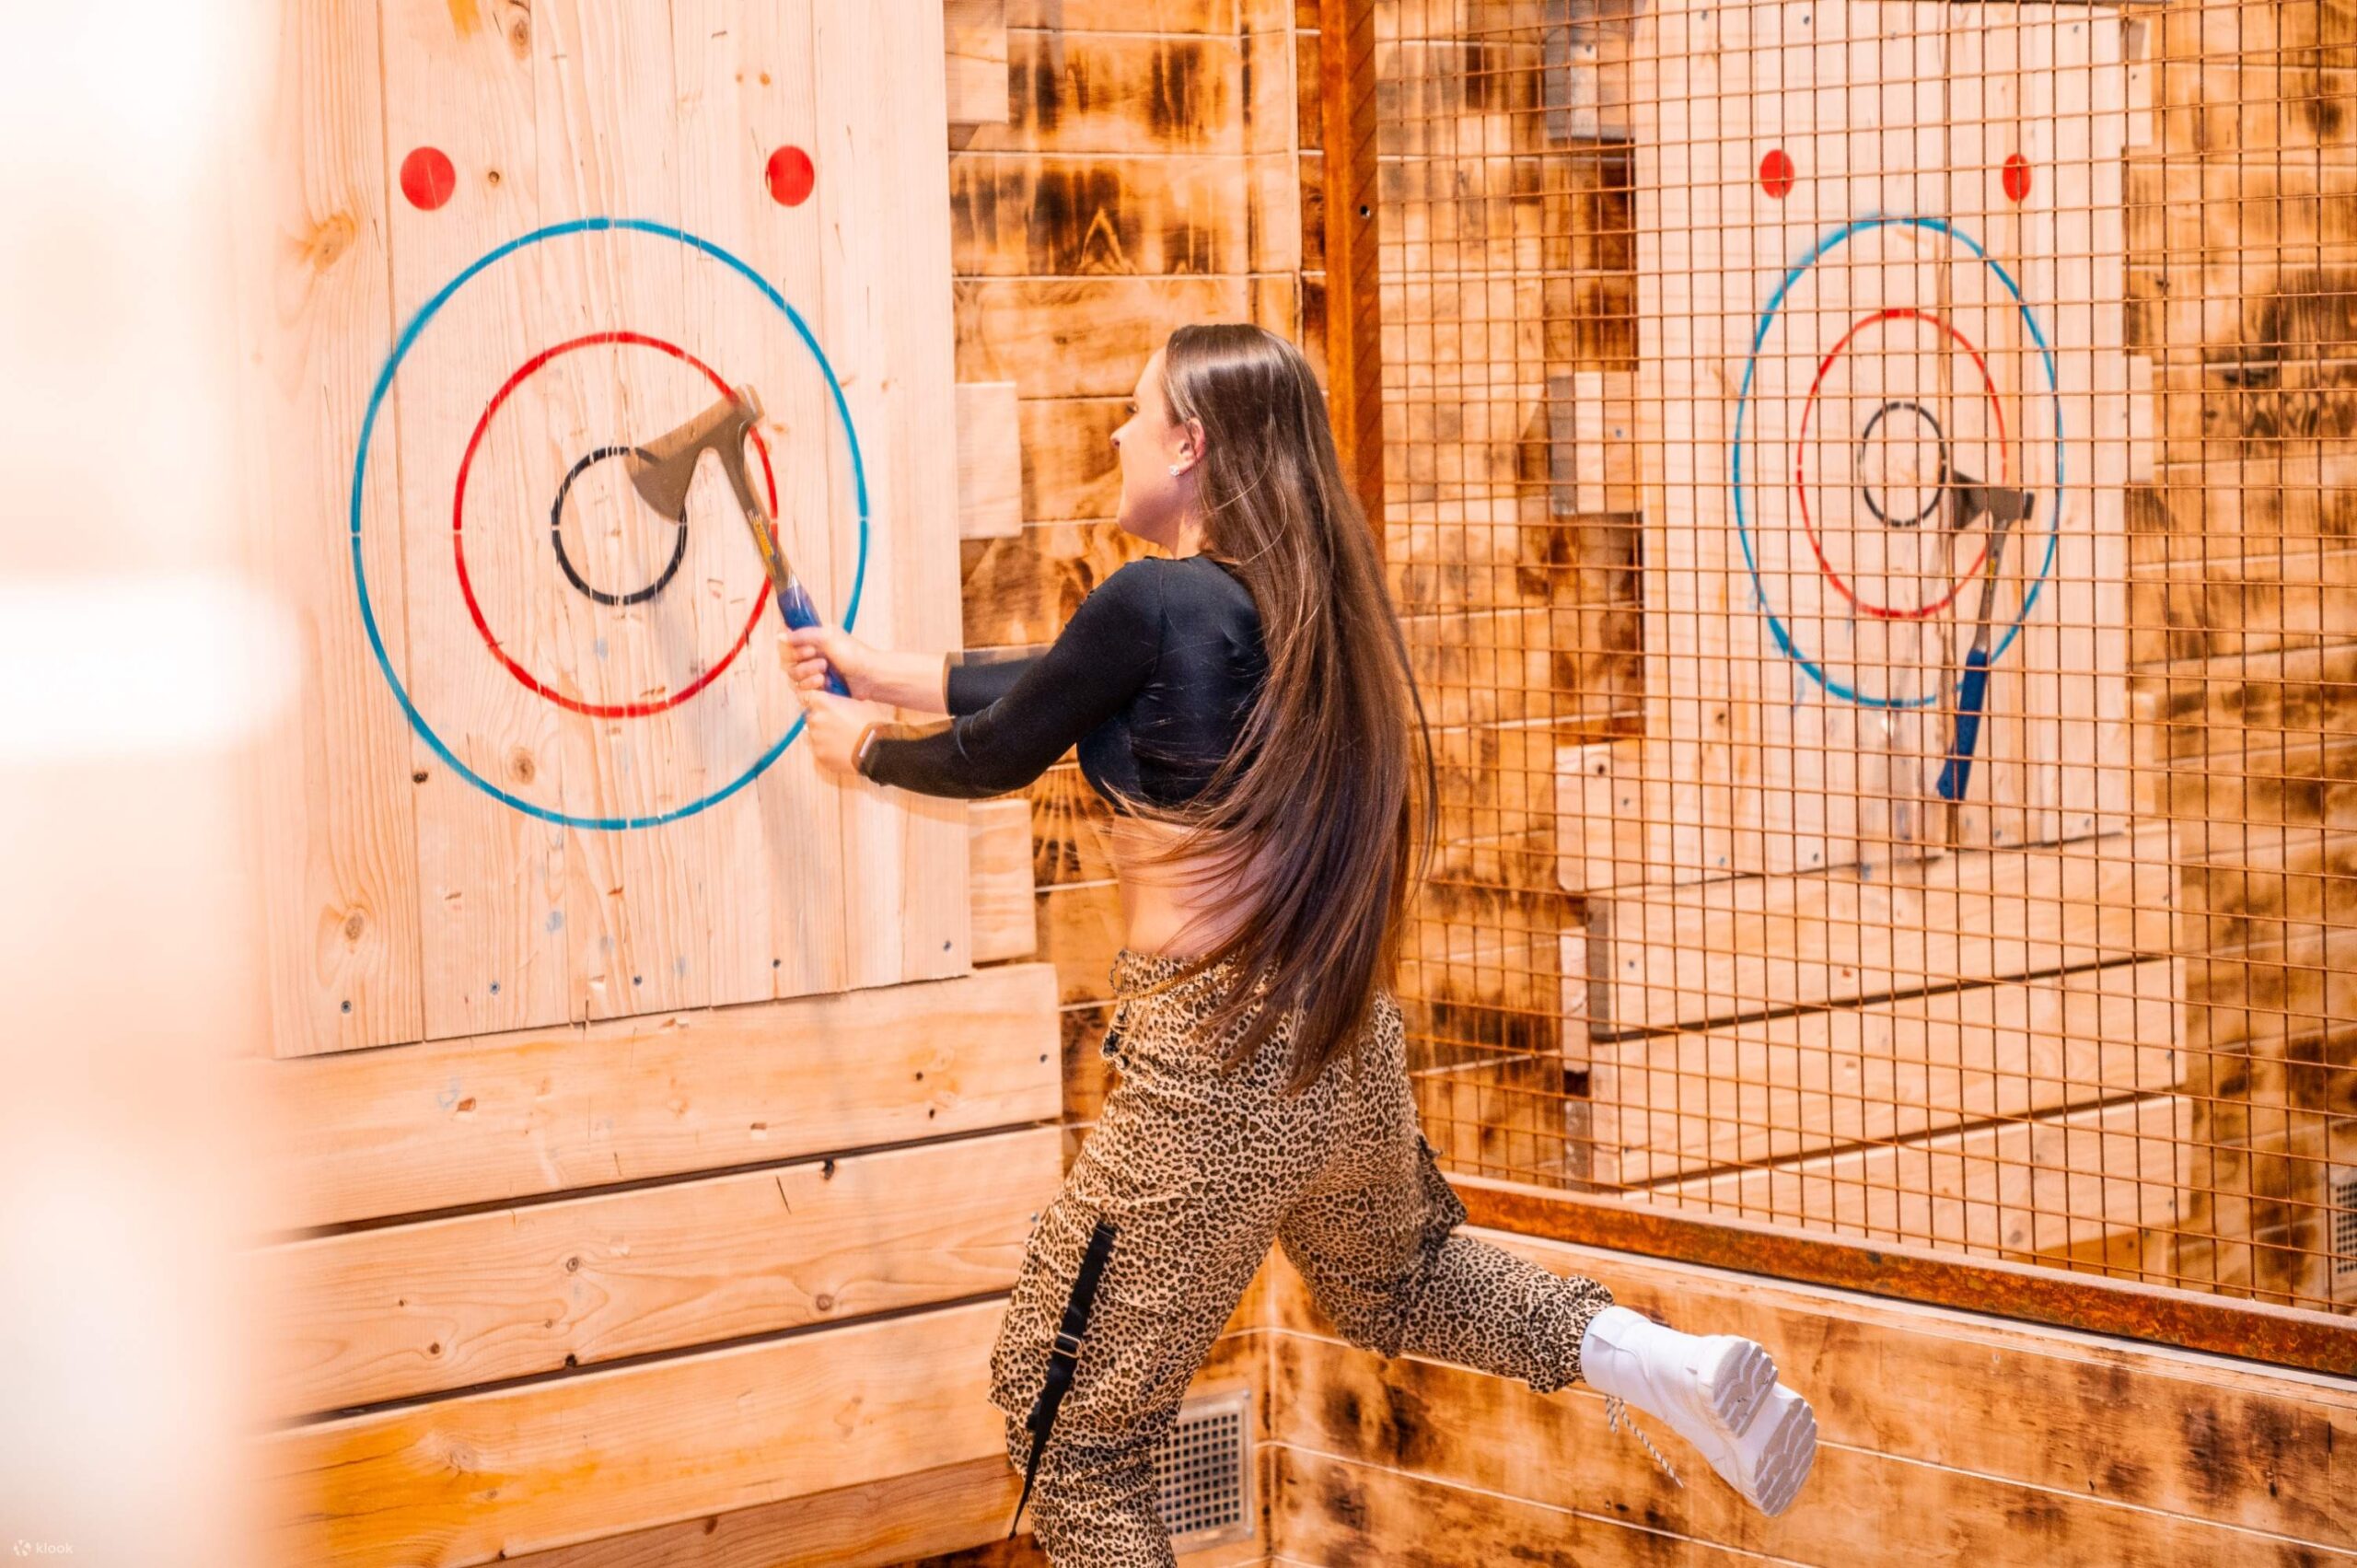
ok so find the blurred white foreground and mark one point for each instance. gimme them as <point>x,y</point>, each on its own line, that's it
<point>136,667</point>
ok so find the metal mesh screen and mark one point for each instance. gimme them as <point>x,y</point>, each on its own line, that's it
<point>1865,484</point>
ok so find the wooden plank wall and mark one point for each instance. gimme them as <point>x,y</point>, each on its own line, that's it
<point>1145,176</point>
<point>1507,271</point>
<point>551,1288</point>
<point>2244,579</point>
<point>1995,1442</point>
<point>597,1265</point>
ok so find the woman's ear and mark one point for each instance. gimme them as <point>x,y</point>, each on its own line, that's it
<point>1191,447</point>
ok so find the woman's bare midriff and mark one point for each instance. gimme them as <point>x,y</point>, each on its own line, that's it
<point>1159,901</point>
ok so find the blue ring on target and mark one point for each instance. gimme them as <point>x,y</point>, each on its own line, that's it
<point>1776,626</point>
<point>407,339</point>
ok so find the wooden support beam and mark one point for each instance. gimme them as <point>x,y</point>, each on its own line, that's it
<point>1353,345</point>
<point>1985,1289</point>
<point>1686,954</point>
<point>1005,922</point>
<point>990,461</point>
<point>975,35</point>
<point>404,1310</point>
<point>412,1129</point>
<point>492,1475</point>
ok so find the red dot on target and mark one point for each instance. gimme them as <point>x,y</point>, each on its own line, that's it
<point>2016,177</point>
<point>1776,173</point>
<point>427,179</point>
<point>790,177</point>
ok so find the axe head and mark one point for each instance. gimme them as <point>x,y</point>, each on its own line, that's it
<point>1973,500</point>
<point>664,467</point>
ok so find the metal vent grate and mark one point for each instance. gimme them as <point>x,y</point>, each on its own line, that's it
<point>2342,1188</point>
<point>1203,1471</point>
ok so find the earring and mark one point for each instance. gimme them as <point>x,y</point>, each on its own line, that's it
<point>1177,468</point>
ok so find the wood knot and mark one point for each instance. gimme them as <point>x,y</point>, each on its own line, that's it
<point>330,238</point>
<point>353,925</point>
<point>520,764</point>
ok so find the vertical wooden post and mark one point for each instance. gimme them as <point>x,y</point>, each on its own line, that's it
<point>1354,318</point>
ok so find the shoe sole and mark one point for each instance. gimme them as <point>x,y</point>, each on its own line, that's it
<point>1786,1457</point>
<point>1739,1390</point>
<point>1735,1387</point>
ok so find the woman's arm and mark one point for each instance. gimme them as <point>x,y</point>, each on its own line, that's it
<point>1104,654</point>
<point>909,680</point>
<point>974,681</point>
<point>959,681</point>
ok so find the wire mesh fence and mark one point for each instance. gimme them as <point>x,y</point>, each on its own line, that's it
<point>1868,488</point>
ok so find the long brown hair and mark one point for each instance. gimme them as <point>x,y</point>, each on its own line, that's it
<point>1317,795</point>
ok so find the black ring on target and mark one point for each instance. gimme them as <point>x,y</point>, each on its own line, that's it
<point>556,536</point>
<point>1939,486</point>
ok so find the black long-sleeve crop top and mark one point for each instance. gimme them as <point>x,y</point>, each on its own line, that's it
<point>1151,678</point>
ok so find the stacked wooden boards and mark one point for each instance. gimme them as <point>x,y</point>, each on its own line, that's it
<point>554,1287</point>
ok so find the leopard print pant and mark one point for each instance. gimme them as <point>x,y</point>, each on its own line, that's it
<point>1200,1172</point>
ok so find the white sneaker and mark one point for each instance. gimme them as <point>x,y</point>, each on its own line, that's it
<point>1718,1392</point>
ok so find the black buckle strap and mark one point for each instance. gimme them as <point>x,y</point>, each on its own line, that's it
<point>1063,1357</point>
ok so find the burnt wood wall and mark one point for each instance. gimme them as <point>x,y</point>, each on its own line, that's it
<point>2242,235</point>
<point>1149,174</point>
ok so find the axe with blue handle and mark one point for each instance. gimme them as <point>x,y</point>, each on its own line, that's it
<point>663,470</point>
<point>1969,500</point>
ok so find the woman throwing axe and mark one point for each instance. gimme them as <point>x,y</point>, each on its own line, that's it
<point>1245,705</point>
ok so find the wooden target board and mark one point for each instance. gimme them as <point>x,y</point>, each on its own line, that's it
<point>1880,257</point>
<point>550,765</point>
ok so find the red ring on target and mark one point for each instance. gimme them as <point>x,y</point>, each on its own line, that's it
<point>531,682</point>
<point>1800,463</point>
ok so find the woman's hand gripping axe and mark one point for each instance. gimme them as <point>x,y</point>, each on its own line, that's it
<point>663,470</point>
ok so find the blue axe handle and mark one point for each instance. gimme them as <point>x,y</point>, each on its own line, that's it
<point>792,598</point>
<point>794,603</point>
<point>1957,776</point>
